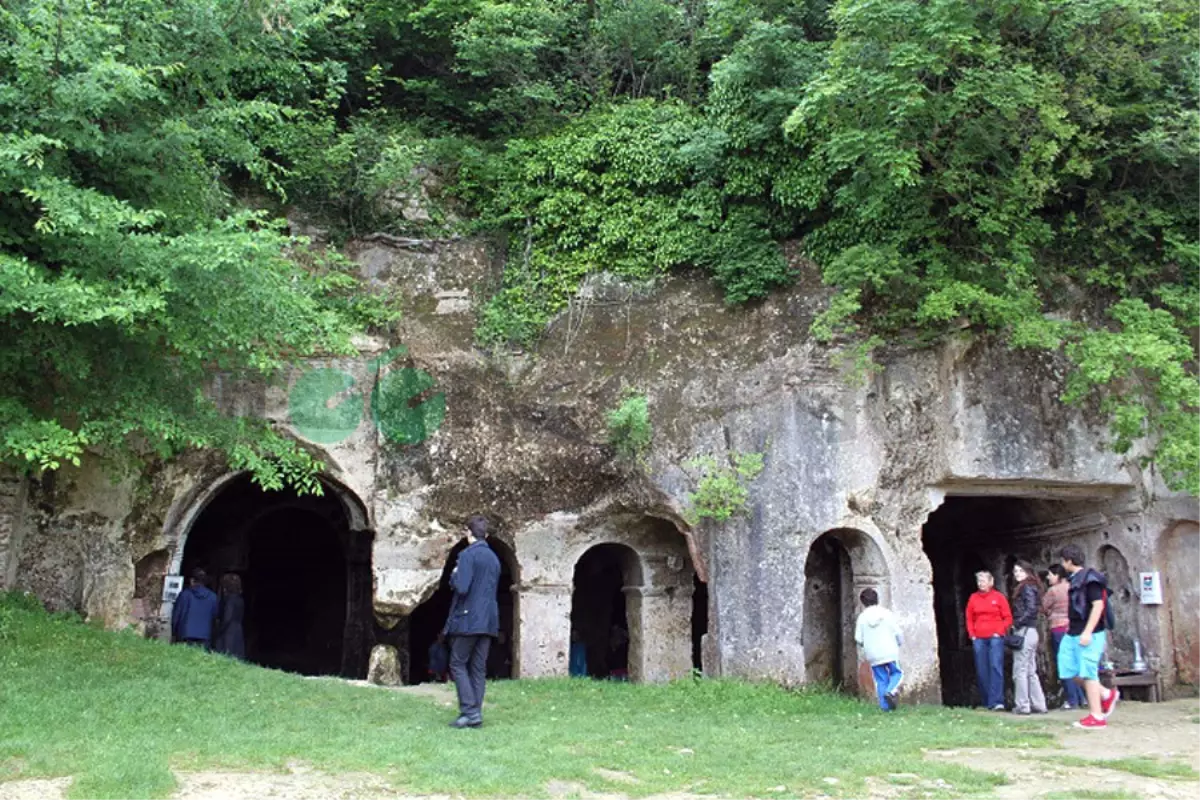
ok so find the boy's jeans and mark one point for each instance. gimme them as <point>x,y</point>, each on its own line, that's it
<point>887,680</point>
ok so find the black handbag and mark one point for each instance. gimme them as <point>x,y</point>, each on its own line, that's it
<point>1014,640</point>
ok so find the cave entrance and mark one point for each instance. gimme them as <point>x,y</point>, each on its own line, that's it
<point>306,576</point>
<point>970,533</point>
<point>428,619</point>
<point>603,601</point>
<point>840,564</point>
<point>699,621</point>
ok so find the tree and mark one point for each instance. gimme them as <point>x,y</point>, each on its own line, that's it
<point>129,273</point>
<point>1027,167</point>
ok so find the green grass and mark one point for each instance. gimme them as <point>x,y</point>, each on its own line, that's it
<point>1139,765</point>
<point>116,712</point>
<point>1091,794</point>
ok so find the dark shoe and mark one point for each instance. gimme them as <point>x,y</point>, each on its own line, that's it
<point>466,722</point>
<point>892,700</point>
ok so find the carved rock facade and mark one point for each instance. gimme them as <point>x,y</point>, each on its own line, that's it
<point>946,461</point>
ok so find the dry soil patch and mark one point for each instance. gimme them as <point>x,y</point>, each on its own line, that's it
<point>1161,731</point>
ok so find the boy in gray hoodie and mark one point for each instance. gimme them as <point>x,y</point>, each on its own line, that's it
<point>878,634</point>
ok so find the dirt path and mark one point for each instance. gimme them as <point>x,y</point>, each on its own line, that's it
<point>1165,732</point>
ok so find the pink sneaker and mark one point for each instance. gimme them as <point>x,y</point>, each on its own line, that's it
<point>1107,706</point>
<point>1091,723</point>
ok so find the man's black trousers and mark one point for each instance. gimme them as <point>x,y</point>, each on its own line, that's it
<point>468,667</point>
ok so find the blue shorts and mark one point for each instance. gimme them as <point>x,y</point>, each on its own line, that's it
<point>1075,660</point>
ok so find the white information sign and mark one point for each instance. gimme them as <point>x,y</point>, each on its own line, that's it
<point>1151,589</point>
<point>172,586</point>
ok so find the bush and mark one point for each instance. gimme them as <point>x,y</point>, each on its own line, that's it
<point>633,190</point>
<point>721,490</point>
<point>629,429</point>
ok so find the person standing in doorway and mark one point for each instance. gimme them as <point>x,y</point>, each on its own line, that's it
<point>473,622</point>
<point>878,635</point>
<point>1087,633</point>
<point>988,617</point>
<point>1027,597</point>
<point>194,612</point>
<point>231,636</point>
<point>1054,606</point>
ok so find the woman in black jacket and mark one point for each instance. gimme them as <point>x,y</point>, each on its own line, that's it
<point>1026,600</point>
<point>230,638</point>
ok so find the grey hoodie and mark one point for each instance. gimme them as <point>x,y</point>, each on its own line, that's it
<point>878,634</point>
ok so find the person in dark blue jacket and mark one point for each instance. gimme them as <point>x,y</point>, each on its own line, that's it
<point>473,622</point>
<point>194,612</point>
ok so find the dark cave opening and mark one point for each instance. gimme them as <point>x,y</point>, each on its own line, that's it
<point>969,533</point>
<point>306,576</point>
<point>599,618</point>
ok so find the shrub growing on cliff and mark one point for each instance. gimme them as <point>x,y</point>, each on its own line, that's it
<point>634,190</point>
<point>721,489</point>
<point>629,428</point>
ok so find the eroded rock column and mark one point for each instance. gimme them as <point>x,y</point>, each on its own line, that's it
<point>543,630</point>
<point>664,632</point>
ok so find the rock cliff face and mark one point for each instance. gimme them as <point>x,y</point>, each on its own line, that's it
<point>853,472</point>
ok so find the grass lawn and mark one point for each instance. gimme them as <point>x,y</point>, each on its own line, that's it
<point>116,712</point>
<point>1141,765</point>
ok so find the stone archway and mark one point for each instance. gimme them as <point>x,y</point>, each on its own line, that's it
<point>606,612</point>
<point>305,565</point>
<point>840,564</point>
<point>1179,552</point>
<point>427,619</point>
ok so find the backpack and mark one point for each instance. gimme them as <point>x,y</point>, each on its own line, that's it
<point>1110,619</point>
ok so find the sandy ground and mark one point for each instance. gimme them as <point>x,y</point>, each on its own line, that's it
<point>1164,731</point>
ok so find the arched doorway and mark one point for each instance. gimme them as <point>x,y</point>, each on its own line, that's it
<point>428,619</point>
<point>306,575</point>
<point>699,621</point>
<point>840,564</point>
<point>1179,553</point>
<point>968,533</point>
<point>605,617</point>
<point>1124,600</point>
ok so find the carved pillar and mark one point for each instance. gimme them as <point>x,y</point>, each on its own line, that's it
<point>542,639</point>
<point>660,632</point>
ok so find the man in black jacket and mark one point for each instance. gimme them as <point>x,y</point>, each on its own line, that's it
<point>473,622</point>
<point>1088,620</point>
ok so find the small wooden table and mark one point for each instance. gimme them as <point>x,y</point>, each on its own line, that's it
<point>1147,680</point>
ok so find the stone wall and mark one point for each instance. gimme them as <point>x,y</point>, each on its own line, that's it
<point>12,514</point>
<point>523,440</point>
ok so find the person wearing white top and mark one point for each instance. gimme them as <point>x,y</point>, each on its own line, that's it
<point>878,635</point>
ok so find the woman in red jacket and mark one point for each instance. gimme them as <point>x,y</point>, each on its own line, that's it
<point>988,619</point>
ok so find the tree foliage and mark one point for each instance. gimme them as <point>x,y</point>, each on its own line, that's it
<point>1029,167</point>
<point>128,273</point>
<point>1022,167</point>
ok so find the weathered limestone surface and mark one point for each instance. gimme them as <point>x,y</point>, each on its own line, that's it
<point>12,497</point>
<point>384,668</point>
<point>523,441</point>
